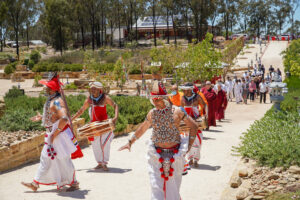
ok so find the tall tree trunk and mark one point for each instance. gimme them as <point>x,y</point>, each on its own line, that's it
<point>82,37</point>
<point>136,30</point>
<point>112,33</point>
<point>187,24</point>
<point>154,21</point>
<point>93,32</point>
<point>1,40</point>
<point>60,40</point>
<point>27,34</point>
<point>105,38</point>
<point>197,27</point>
<point>168,30</point>
<point>174,29</point>
<point>119,32</point>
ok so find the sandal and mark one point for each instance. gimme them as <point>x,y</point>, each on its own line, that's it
<point>31,186</point>
<point>73,187</point>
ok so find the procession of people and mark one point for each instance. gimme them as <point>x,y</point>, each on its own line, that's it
<point>177,119</point>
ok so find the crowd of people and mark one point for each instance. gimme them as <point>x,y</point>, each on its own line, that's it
<point>177,119</point>
<point>251,85</point>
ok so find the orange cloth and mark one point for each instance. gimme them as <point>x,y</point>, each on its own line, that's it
<point>176,99</point>
<point>202,106</point>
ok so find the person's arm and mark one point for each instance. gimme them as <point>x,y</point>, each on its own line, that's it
<point>60,109</point>
<point>36,118</point>
<point>81,110</point>
<point>109,101</point>
<point>138,133</point>
<point>205,106</point>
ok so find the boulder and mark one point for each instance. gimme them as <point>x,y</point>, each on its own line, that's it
<point>235,181</point>
<point>294,169</point>
<point>273,177</point>
<point>243,172</point>
<point>242,194</point>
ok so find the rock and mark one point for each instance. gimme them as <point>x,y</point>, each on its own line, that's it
<point>273,176</point>
<point>296,176</point>
<point>278,169</point>
<point>284,181</point>
<point>242,194</point>
<point>235,181</point>
<point>249,197</point>
<point>292,179</point>
<point>294,169</point>
<point>257,197</point>
<point>271,187</point>
<point>243,172</point>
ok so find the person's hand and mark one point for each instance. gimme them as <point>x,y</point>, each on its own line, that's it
<point>126,146</point>
<point>36,118</point>
<point>114,121</point>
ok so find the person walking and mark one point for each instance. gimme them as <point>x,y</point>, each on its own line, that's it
<point>252,89</point>
<point>245,88</point>
<point>263,89</point>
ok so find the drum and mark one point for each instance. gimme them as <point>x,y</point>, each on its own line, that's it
<point>200,122</point>
<point>96,128</point>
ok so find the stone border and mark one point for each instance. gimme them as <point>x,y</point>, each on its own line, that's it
<point>18,154</point>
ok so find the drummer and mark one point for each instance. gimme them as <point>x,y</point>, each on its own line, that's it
<point>97,102</point>
<point>191,101</point>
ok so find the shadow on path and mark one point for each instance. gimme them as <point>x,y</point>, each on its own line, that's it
<point>112,170</point>
<point>208,138</point>
<point>214,131</point>
<point>207,167</point>
<point>77,194</point>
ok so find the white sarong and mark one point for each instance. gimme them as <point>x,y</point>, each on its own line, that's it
<point>172,186</point>
<point>194,153</point>
<point>56,167</point>
<point>101,147</point>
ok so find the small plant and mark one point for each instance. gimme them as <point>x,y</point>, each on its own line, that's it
<point>14,93</point>
<point>71,86</point>
<point>37,78</point>
<point>31,64</point>
<point>9,69</point>
<point>35,56</point>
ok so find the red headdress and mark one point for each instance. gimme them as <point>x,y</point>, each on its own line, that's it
<point>52,82</point>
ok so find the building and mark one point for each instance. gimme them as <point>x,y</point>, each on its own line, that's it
<point>145,27</point>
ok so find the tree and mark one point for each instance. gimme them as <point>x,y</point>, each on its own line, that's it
<point>3,12</point>
<point>16,15</point>
<point>57,23</point>
<point>203,61</point>
<point>30,7</point>
<point>294,4</point>
<point>80,14</point>
<point>282,10</point>
<point>119,74</point>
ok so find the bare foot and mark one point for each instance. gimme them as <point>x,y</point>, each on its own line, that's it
<point>99,166</point>
<point>30,185</point>
<point>73,187</point>
<point>105,168</point>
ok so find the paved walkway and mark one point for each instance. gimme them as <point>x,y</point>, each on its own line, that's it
<point>128,178</point>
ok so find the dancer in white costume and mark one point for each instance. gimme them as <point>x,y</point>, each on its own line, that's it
<point>229,88</point>
<point>56,167</point>
<point>97,103</point>
<point>191,102</point>
<point>167,149</point>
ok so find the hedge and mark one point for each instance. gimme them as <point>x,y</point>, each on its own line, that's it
<point>47,67</point>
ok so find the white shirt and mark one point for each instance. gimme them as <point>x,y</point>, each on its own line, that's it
<point>263,87</point>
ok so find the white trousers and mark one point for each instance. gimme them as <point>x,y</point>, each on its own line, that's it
<point>172,186</point>
<point>101,147</point>
<point>194,153</point>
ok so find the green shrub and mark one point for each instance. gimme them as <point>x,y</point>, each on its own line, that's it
<point>274,140</point>
<point>68,58</point>
<point>35,56</point>
<point>135,69</point>
<point>132,110</point>
<point>71,86</point>
<point>9,69</point>
<point>26,60</point>
<point>37,78</point>
<point>13,93</point>
<point>47,67</point>
<point>5,55</point>
<point>112,57</point>
<point>31,64</point>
